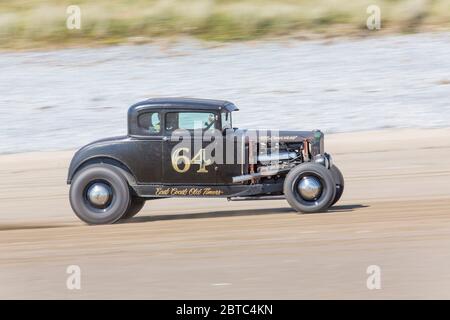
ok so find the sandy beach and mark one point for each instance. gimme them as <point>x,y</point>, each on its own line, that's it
<point>395,213</point>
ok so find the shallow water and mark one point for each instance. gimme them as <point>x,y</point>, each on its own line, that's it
<point>66,98</point>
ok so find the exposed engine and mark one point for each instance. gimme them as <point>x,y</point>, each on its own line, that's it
<point>274,159</point>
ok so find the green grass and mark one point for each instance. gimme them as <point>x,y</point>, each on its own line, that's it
<point>34,23</point>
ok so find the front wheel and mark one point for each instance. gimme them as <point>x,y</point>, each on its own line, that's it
<point>99,194</point>
<point>339,181</point>
<point>309,188</point>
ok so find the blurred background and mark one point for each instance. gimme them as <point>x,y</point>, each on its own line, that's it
<point>34,23</point>
<point>64,84</point>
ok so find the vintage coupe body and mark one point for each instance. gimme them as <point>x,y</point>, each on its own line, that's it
<point>182,147</point>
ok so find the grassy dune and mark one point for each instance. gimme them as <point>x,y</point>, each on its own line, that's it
<point>34,23</point>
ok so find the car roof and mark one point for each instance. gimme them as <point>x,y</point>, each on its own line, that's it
<point>184,103</point>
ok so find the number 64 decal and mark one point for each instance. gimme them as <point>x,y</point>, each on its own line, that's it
<point>178,157</point>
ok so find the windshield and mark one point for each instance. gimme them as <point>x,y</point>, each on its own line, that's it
<point>226,120</point>
<point>190,120</point>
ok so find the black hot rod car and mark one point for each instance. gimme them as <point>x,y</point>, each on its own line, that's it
<point>179,147</point>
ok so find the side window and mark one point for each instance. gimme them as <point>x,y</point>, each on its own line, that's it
<point>226,120</point>
<point>150,122</point>
<point>190,120</point>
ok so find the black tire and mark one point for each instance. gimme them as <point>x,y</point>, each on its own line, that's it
<point>293,196</point>
<point>339,181</point>
<point>136,205</point>
<point>118,186</point>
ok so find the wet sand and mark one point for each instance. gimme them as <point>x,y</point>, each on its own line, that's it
<point>395,213</point>
<point>66,98</point>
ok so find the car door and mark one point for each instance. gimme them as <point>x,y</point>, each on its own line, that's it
<point>184,147</point>
<point>235,156</point>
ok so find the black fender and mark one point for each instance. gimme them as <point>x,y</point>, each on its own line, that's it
<point>75,167</point>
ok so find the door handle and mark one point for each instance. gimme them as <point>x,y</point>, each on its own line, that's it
<point>176,138</point>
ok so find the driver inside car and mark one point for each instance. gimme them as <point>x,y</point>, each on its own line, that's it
<point>210,122</point>
<point>155,125</point>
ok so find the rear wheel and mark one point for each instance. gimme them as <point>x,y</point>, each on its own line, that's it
<point>339,181</point>
<point>99,194</point>
<point>136,205</point>
<point>309,188</point>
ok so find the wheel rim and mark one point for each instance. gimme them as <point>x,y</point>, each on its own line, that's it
<point>99,195</point>
<point>310,188</point>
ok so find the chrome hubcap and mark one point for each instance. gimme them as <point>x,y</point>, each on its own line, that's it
<point>99,194</point>
<point>309,188</point>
